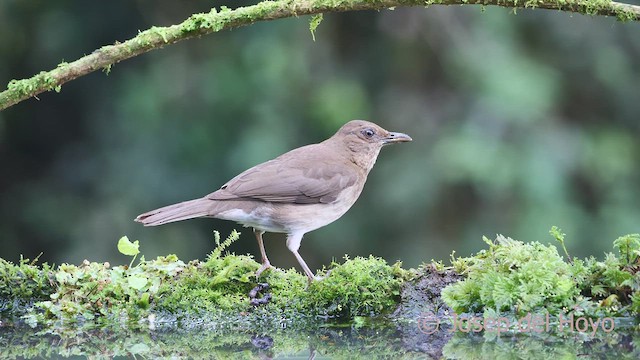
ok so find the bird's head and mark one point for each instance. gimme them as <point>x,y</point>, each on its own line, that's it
<point>364,139</point>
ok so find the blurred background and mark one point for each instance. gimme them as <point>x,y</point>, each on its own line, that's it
<point>520,122</point>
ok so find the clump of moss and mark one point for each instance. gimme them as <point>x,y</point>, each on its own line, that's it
<point>219,284</point>
<point>359,287</point>
<point>222,284</point>
<point>513,276</point>
<point>613,285</point>
<point>24,282</point>
<point>288,290</point>
<point>98,291</point>
<point>520,278</point>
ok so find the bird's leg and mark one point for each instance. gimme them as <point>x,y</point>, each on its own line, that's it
<point>305,267</point>
<point>265,261</point>
<point>293,244</point>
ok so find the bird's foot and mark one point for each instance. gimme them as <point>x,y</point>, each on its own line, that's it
<point>319,278</point>
<point>265,266</point>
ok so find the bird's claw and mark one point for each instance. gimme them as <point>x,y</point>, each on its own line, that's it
<point>265,266</point>
<point>319,278</point>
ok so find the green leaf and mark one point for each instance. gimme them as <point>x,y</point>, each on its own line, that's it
<point>138,282</point>
<point>127,247</point>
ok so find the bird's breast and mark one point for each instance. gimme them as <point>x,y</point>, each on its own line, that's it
<point>309,217</point>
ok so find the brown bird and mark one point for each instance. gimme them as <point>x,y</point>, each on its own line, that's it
<point>297,192</point>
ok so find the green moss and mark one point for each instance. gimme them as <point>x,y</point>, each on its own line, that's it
<point>26,87</point>
<point>512,275</point>
<point>219,284</point>
<point>198,21</point>
<point>612,286</point>
<point>519,278</point>
<point>97,291</point>
<point>359,287</point>
<point>216,289</point>
<point>625,15</point>
<point>25,281</point>
<point>217,20</point>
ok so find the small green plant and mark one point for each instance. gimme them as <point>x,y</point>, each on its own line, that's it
<point>559,236</point>
<point>629,248</point>
<point>314,23</point>
<point>129,248</point>
<point>220,247</point>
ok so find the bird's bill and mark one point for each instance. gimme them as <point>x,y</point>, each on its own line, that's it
<point>396,137</point>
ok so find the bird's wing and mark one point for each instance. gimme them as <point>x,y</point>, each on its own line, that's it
<point>299,177</point>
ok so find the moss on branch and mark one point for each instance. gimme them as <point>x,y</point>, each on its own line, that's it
<point>222,19</point>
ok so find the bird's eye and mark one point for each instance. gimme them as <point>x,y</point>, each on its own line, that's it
<point>368,133</point>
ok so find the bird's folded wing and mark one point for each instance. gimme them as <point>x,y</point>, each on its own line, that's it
<point>299,182</point>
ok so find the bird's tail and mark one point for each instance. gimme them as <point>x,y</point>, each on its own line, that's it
<point>176,212</point>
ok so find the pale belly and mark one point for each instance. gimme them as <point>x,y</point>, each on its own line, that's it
<point>290,218</point>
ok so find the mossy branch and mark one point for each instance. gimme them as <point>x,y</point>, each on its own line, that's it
<point>217,20</point>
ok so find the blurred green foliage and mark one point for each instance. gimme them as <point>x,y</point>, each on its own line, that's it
<point>519,122</point>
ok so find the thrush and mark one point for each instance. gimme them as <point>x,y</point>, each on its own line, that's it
<point>297,192</point>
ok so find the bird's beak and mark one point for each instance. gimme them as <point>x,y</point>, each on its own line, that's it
<point>396,137</point>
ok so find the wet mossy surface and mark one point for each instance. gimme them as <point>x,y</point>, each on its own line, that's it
<point>364,307</point>
<point>216,289</point>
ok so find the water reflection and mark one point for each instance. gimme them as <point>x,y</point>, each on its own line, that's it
<point>390,340</point>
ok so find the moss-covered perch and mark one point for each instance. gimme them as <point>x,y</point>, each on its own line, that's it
<point>509,280</point>
<point>216,289</point>
<point>224,18</point>
<point>510,277</point>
